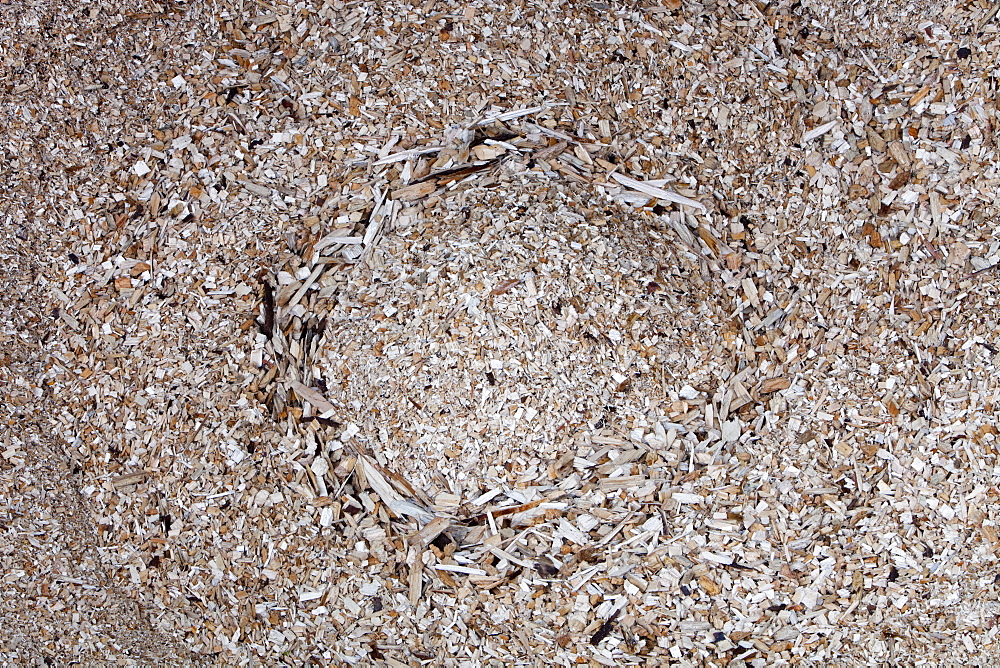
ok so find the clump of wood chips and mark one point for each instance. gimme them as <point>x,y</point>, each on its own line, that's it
<point>453,333</point>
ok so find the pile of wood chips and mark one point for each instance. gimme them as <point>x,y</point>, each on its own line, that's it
<point>461,334</point>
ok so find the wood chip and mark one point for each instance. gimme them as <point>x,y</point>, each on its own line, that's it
<point>314,353</point>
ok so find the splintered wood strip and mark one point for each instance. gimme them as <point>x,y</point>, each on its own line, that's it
<point>130,478</point>
<point>415,579</point>
<point>465,570</point>
<point>989,16</point>
<point>415,191</point>
<point>654,191</point>
<point>511,115</point>
<point>819,131</point>
<point>505,286</point>
<point>509,510</point>
<point>406,155</point>
<point>269,307</point>
<point>503,554</point>
<point>404,486</point>
<point>374,479</point>
<point>306,284</point>
<point>341,235</point>
<point>429,532</point>
<point>449,175</point>
<point>312,396</point>
<point>550,151</point>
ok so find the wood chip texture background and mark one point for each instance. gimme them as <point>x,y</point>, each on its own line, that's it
<point>487,334</point>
